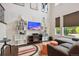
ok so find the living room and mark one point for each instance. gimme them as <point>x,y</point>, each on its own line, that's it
<point>13,17</point>
<point>37,26</point>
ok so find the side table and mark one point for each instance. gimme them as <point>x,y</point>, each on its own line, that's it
<point>5,40</point>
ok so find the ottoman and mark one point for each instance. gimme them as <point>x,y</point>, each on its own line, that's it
<point>44,47</point>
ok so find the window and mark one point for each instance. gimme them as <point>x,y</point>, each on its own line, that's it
<point>71,24</point>
<point>72,31</point>
<point>58,30</point>
<point>57,27</point>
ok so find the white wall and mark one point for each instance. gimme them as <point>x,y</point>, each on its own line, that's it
<point>2,31</point>
<point>12,12</point>
<point>66,8</point>
<point>51,20</point>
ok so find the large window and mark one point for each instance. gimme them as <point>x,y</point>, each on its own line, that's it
<point>71,31</point>
<point>71,24</point>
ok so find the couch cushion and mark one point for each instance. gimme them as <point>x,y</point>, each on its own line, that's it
<point>75,39</point>
<point>67,45</point>
<point>54,43</point>
<point>62,49</point>
<point>66,40</point>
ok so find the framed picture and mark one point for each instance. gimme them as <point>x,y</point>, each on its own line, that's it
<point>1,13</point>
<point>20,4</point>
<point>44,7</point>
<point>34,6</point>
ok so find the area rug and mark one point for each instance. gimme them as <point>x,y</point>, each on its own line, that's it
<point>31,50</point>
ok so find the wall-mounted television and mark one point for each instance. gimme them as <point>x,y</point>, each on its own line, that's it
<point>34,25</point>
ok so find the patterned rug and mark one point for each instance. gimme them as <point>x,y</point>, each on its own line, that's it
<point>30,50</point>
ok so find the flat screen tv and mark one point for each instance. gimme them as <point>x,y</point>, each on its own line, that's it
<point>34,25</point>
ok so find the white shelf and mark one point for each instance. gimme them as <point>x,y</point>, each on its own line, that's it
<point>20,39</point>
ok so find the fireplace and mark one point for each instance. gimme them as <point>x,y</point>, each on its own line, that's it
<point>34,38</point>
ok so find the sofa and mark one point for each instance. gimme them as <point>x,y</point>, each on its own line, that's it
<point>64,49</point>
